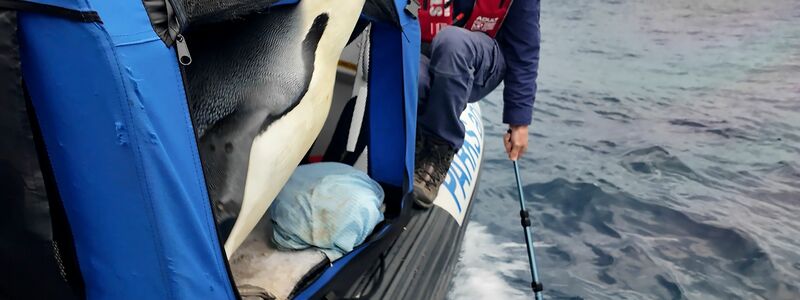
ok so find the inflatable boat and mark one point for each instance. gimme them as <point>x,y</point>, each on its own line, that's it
<point>126,166</point>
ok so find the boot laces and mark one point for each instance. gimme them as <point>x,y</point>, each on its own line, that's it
<point>434,163</point>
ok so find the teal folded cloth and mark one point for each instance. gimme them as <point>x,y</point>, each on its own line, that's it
<point>331,206</point>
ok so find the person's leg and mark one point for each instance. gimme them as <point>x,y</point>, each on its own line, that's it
<point>464,67</point>
<point>424,80</point>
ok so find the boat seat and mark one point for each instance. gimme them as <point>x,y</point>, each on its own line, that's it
<point>261,271</point>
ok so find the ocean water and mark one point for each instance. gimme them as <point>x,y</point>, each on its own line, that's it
<point>664,159</point>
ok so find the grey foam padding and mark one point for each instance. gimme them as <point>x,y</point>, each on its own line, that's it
<point>207,11</point>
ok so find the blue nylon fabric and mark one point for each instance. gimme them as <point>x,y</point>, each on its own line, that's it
<point>387,135</point>
<point>114,117</point>
<point>411,54</point>
<point>393,107</point>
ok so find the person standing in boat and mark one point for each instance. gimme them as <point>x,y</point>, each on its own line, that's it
<point>469,47</point>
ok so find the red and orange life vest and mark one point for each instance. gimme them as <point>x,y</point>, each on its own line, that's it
<point>487,16</point>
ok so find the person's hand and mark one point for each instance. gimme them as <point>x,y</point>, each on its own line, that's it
<point>516,141</point>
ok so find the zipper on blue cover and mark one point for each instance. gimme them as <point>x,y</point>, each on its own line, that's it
<point>184,57</point>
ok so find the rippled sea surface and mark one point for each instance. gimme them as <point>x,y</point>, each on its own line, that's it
<point>664,160</point>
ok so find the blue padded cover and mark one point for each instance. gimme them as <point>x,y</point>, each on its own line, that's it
<point>393,106</point>
<point>113,114</point>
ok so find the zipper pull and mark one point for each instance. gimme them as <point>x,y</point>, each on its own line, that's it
<point>183,51</point>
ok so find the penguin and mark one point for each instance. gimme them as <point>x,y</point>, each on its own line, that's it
<point>260,89</point>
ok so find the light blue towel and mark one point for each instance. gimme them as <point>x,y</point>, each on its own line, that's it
<point>331,206</point>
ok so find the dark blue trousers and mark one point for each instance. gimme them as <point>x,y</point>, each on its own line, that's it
<point>463,67</point>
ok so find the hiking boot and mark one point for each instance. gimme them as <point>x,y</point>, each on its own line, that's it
<point>419,145</point>
<point>432,162</point>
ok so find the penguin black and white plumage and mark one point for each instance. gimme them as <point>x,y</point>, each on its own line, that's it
<point>260,90</point>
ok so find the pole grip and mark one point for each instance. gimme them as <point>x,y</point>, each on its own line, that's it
<point>537,286</point>
<point>525,218</point>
